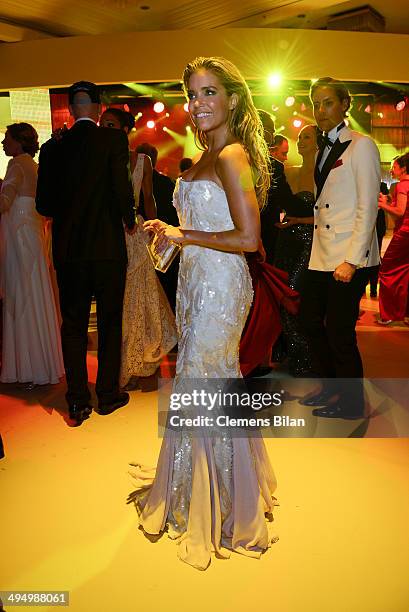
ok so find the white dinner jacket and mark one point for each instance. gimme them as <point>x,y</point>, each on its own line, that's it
<point>347,190</point>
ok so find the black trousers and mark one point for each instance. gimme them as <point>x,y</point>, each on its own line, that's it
<point>78,283</point>
<point>329,311</point>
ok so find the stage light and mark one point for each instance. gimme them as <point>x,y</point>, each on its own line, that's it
<point>290,101</point>
<point>150,124</point>
<point>380,115</point>
<point>274,80</point>
<point>400,105</point>
<point>303,107</point>
<point>158,107</point>
<point>167,115</point>
<point>139,115</point>
<point>186,107</point>
<point>274,108</point>
<point>368,108</point>
<point>297,123</point>
<point>188,128</point>
<point>165,129</point>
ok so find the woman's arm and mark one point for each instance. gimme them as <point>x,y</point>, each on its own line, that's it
<point>289,221</point>
<point>11,185</point>
<point>147,189</point>
<point>399,209</point>
<point>234,171</point>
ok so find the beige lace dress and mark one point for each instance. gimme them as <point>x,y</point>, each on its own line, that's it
<point>148,323</point>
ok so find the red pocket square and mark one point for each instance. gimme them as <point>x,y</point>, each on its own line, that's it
<point>337,164</point>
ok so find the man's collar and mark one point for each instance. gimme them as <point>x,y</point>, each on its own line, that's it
<point>85,119</point>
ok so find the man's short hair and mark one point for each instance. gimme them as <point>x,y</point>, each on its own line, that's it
<point>339,88</point>
<point>278,140</point>
<point>86,86</point>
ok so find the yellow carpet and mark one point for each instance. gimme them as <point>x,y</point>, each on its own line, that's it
<point>342,520</point>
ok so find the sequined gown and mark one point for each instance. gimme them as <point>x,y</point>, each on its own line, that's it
<point>210,493</point>
<point>292,255</point>
<point>148,323</point>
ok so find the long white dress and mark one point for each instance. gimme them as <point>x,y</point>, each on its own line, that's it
<point>148,323</point>
<point>211,493</point>
<point>31,337</point>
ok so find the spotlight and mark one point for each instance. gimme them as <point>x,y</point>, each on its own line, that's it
<point>186,107</point>
<point>290,101</point>
<point>167,115</point>
<point>368,108</point>
<point>158,107</point>
<point>274,80</point>
<point>150,124</point>
<point>165,129</point>
<point>297,123</point>
<point>139,115</point>
<point>126,108</point>
<point>188,128</point>
<point>380,115</point>
<point>401,104</point>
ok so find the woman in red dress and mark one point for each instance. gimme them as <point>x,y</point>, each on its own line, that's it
<point>394,271</point>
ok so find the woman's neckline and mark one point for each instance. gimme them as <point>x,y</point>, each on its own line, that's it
<point>201,181</point>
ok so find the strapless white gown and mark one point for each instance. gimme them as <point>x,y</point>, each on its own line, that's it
<point>211,493</point>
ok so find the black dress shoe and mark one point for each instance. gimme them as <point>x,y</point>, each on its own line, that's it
<point>105,408</point>
<point>79,412</point>
<point>319,399</point>
<point>337,411</point>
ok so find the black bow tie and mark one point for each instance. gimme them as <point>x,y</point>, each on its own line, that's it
<point>324,141</point>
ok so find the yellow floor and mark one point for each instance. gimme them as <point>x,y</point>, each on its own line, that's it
<point>342,521</point>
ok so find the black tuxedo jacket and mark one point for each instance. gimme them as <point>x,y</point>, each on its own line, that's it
<point>84,185</point>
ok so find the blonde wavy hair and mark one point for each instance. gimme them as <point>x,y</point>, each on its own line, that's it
<point>244,122</point>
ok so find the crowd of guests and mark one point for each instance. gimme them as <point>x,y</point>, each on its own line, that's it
<point>314,244</point>
<point>31,348</point>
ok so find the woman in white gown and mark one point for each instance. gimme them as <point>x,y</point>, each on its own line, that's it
<point>212,493</point>
<point>31,350</point>
<point>148,323</point>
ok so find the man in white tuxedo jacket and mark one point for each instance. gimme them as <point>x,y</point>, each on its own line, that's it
<point>344,251</point>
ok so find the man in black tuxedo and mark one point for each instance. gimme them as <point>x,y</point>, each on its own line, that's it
<point>84,186</point>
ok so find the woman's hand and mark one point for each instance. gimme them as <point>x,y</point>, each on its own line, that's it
<point>288,222</point>
<point>382,200</point>
<point>166,233</point>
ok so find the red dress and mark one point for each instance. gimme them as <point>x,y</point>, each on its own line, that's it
<point>394,271</point>
<point>263,326</point>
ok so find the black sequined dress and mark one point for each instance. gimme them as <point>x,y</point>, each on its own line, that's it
<point>292,255</point>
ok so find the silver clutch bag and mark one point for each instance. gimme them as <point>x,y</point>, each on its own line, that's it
<point>161,257</point>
